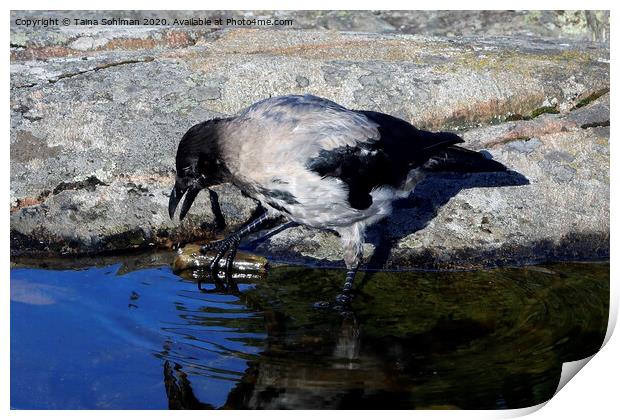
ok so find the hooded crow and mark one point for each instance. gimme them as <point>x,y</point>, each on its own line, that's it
<point>316,163</point>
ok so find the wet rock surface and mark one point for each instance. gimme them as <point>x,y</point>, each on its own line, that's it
<point>97,113</point>
<point>190,258</point>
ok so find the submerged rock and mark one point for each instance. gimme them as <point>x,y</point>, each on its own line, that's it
<point>190,258</point>
<point>94,130</point>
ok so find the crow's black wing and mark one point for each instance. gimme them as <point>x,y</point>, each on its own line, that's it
<point>385,161</point>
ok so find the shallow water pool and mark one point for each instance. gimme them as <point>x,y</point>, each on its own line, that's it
<point>113,337</point>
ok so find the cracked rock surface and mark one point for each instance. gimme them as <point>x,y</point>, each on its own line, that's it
<point>96,115</point>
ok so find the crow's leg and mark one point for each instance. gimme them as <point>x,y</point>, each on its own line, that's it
<point>348,282</point>
<point>231,257</point>
<point>231,244</point>
<point>226,243</point>
<point>228,268</point>
<point>214,266</point>
<point>346,296</point>
<point>353,241</point>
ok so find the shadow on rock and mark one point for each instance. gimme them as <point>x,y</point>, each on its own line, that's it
<point>416,211</point>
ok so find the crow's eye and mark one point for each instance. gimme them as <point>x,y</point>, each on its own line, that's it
<point>185,171</point>
<point>189,172</point>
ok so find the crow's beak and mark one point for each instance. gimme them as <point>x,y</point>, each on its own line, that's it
<point>189,200</point>
<point>175,197</point>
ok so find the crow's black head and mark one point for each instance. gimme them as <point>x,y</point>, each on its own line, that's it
<point>198,165</point>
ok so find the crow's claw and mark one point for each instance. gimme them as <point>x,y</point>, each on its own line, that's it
<point>343,305</point>
<point>222,244</point>
<point>344,299</point>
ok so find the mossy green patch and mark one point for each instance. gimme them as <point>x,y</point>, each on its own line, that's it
<point>544,110</point>
<point>592,97</point>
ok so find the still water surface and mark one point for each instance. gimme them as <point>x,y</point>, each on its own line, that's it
<point>109,338</point>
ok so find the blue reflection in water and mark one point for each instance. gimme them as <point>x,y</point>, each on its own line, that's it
<point>79,338</point>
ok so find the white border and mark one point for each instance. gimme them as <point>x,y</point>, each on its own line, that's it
<point>591,394</point>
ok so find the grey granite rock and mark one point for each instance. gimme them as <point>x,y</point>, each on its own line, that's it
<point>94,129</point>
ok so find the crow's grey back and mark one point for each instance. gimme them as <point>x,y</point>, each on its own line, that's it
<point>289,130</point>
<point>272,140</point>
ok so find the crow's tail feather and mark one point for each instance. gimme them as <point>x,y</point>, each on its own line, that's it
<point>457,159</point>
<point>435,141</point>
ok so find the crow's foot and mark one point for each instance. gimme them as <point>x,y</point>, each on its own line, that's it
<point>221,245</point>
<point>344,298</point>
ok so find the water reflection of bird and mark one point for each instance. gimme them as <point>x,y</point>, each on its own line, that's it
<point>317,164</point>
<point>179,390</point>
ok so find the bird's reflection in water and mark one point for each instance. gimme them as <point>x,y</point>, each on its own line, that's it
<point>348,344</point>
<point>479,340</point>
<point>179,390</point>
